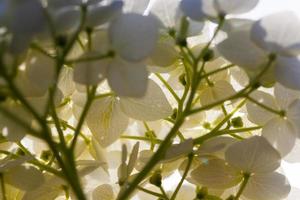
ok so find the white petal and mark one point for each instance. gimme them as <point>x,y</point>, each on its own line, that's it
<point>257,114</point>
<point>133,158</point>
<point>166,11</point>
<point>152,106</point>
<point>40,70</point>
<point>127,79</point>
<point>179,150</point>
<point>216,173</point>
<point>134,36</point>
<point>281,134</point>
<point>164,54</point>
<point>240,50</point>
<point>293,114</point>
<point>216,146</point>
<point>220,91</point>
<point>234,6</point>
<point>135,6</point>
<point>103,192</point>
<point>278,33</point>
<point>293,156</point>
<point>66,19</point>
<point>287,72</point>
<point>253,155</point>
<point>192,9</point>
<point>25,178</point>
<point>285,96</point>
<point>90,72</point>
<point>27,17</point>
<point>65,83</point>
<point>271,186</point>
<point>106,120</point>
<point>99,14</point>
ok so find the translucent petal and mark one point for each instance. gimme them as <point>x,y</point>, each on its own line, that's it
<point>164,54</point>
<point>134,36</point>
<point>25,178</point>
<point>40,70</point>
<point>133,158</point>
<point>253,155</point>
<point>192,9</point>
<point>287,72</point>
<point>152,106</point>
<point>293,114</point>
<point>257,114</point>
<point>285,96</point>
<point>217,174</point>
<point>66,19</point>
<point>219,91</point>
<point>106,120</point>
<point>240,50</point>
<point>179,150</point>
<point>166,11</point>
<point>293,156</point>
<point>103,192</point>
<point>216,146</point>
<point>26,17</point>
<point>234,6</point>
<point>271,186</point>
<point>99,14</point>
<point>90,72</point>
<point>281,134</point>
<point>65,82</point>
<point>135,6</point>
<point>278,33</point>
<point>127,79</point>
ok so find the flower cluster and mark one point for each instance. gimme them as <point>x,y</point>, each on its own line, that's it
<point>140,99</point>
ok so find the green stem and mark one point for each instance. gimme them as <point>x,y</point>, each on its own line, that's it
<point>242,186</point>
<point>3,190</point>
<point>150,192</point>
<point>163,192</point>
<point>189,164</point>
<point>166,84</point>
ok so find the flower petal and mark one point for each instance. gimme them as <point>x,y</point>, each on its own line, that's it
<point>253,155</point>
<point>106,120</point>
<point>90,72</point>
<point>278,33</point>
<point>25,178</point>
<point>103,192</point>
<point>271,186</point>
<point>281,134</point>
<point>257,114</point>
<point>153,106</point>
<point>216,173</point>
<point>99,14</point>
<point>293,114</point>
<point>134,36</point>
<point>287,72</point>
<point>127,79</point>
<point>285,96</point>
<point>240,50</point>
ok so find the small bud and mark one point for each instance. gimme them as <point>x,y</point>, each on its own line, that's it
<point>231,197</point>
<point>46,155</point>
<point>172,32</point>
<point>208,55</point>
<point>182,79</point>
<point>206,125</point>
<point>237,122</point>
<point>256,85</point>
<point>201,193</point>
<point>156,179</point>
<point>174,115</point>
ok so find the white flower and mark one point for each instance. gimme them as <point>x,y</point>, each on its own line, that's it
<point>280,131</point>
<point>109,116</point>
<point>198,9</point>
